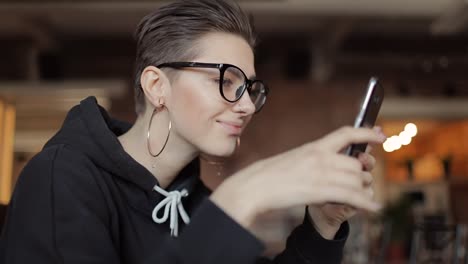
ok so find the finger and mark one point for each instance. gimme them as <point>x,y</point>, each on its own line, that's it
<point>378,129</point>
<point>367,178</point>
<point>342,170</point>
<point>343,162</point>
<point>344,179</point>
<point>356,199</point>
<point>369,192</point>
<point>367,161</point>
<point>346,136</point>
<point>345,211</point>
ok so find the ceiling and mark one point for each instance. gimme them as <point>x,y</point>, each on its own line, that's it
<point>416,34</point>
<point>120,17</point>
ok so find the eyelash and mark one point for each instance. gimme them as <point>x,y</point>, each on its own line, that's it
<point>224,80</point>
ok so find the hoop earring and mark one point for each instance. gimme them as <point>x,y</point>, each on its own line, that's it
<point>148,136</point>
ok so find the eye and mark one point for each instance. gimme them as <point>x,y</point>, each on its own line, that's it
<point>226,82</point>
<point>254,92</point>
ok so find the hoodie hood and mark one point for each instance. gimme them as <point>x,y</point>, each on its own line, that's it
<point>88,128</point>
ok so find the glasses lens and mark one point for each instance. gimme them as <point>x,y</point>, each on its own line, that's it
<point>257,94</point>
<point>233,83</point>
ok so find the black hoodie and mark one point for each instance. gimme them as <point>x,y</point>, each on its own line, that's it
<point>83,199</point>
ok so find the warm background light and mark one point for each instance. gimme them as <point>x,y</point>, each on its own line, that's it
<point>412,129</point>
<point>438,144</point>
<point>404,138</point>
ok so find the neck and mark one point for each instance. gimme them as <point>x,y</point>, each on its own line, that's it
<point>175,156</point>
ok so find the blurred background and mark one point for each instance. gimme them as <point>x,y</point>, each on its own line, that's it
<point>317,57</point>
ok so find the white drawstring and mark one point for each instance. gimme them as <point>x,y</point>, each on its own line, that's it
<point>172,202</point>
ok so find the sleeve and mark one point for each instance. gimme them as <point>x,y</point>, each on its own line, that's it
<point>59,215</point>
<point>306,245</point>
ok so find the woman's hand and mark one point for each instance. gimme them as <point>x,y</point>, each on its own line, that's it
<point>315,173</point>
<point>327,218</point>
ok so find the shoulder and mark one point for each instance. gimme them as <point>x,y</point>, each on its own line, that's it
<point>59,167</point>
<point>57,159</point>
<point>52,155</point>
<point>55,183</point>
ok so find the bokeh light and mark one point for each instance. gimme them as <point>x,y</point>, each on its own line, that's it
<point>412,129</point>
<point>404,138</point>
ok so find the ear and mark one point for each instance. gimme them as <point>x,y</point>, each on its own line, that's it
<point>155,85</point>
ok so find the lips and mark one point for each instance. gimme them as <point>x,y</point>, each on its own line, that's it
<point>232,128</point>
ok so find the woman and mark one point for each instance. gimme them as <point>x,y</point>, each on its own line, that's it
<point>103,191</point>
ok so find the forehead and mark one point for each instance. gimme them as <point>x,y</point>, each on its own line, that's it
<point>226,48</point>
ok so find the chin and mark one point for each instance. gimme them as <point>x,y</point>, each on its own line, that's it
<point>225,149</point>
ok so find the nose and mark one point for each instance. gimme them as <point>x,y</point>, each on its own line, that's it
<point>245,104</point>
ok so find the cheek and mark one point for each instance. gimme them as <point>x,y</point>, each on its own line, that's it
<point>194,108</point>
<point>189,103</point>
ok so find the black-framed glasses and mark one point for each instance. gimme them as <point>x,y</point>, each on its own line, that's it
<point>232,82</point>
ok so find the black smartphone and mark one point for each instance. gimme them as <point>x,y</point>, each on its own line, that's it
<point>368,112</point>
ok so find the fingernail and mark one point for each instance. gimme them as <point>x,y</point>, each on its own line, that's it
<point>382,136</point>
